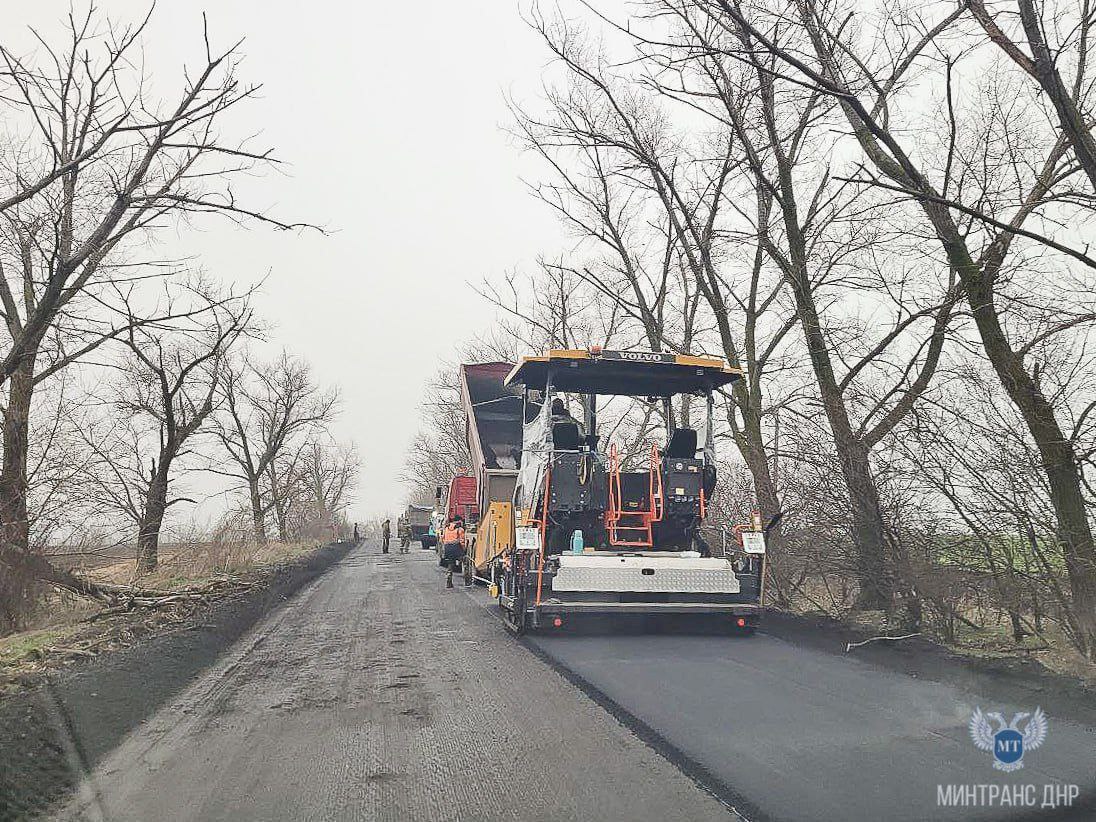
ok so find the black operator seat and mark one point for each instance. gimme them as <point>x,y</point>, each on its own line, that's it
<point>565,436</point>
<point>682,444</point>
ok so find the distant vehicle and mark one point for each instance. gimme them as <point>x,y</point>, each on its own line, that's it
<point>437,524</point>
<point>418,521</point>
<point>461,500</point>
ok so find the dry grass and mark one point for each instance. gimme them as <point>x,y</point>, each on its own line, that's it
<point>992,640</point>
<point>61,632</point>
<point>193,564</point>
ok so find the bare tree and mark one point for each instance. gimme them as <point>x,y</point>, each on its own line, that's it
<point>1046,62</point>
<point>145,167</point>
<point>90,170</point>
<point>330,476</point>
<point>268,407</point>
<point>177,389</point>
<point>619,171</point>
<point>166,397</point>
<point>868,97</point>
<point>763,137</point>
<point>308,488</point>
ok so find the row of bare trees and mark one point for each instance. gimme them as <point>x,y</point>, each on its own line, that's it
<point>122,369</point>
<point>879,212</point>
<point>188,407</point>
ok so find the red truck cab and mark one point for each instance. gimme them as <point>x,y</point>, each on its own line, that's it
<point>463,499</point>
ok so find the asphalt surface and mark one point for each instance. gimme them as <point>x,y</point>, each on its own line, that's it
<point>791,732</point>
<point>375,694</point>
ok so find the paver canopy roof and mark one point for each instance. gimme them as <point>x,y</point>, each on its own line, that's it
<point>633,373</point>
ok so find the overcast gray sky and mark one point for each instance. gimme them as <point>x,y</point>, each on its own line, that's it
<point>391,116</point>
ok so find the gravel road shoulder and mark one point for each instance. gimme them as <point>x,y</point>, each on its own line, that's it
<point>50,734</point>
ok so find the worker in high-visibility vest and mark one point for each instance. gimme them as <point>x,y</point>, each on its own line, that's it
<point>453,547</point>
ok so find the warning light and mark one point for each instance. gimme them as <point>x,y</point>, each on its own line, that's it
<point>741,622</point>
<point>557,622</point>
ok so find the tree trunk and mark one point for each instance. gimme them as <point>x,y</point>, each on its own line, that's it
<point>283,527</point>
<point>279,503</point>
<point>768,503</point>
<point>1045,70</point>
<point>868,529</point>
<point>148,532</point>
<point>1056,451</point>
<point>753,453</point>
<point>1059,458</point>
<point>16,586</point>
<point>257,517</point>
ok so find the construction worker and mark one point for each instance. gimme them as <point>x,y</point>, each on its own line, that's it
<point>403,531</point>
<point>453,548</point>
<point>386,534</point>
<point>560,413</point>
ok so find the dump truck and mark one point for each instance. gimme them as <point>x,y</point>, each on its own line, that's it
<point>582,532</point>
<point>493,436</point>
<point>417,518</point>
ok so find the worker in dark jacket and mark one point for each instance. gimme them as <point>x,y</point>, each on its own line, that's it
<point>560,413</point>
<point>403,531</point>
<point>386,535</point>
<point>453,547</point>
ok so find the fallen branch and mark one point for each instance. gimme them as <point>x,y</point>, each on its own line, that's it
<point>107,612</point>
<point>110,589</point>
<point>1030,649</point>
<point>849,646</point>
<point>72,651</point>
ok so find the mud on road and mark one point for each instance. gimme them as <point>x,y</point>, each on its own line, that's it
<point>52,734</point>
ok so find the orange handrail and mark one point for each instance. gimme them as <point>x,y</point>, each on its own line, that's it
<point>656,507</point>
<point>613,509</point>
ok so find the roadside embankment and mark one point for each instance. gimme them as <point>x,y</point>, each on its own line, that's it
<point>60,715</point>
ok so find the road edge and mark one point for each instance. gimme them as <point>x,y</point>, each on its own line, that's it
<point>61,729</point>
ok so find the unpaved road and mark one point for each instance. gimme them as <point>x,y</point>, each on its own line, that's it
<point>376,694</point>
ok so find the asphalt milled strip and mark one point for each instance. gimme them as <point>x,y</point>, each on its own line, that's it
<point>378,695</point>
